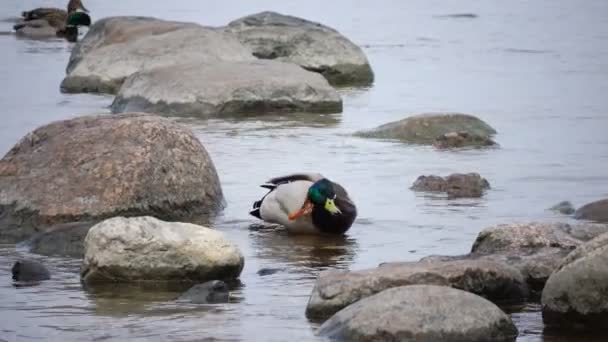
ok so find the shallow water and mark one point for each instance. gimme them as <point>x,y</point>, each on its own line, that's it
<point>536,71</point>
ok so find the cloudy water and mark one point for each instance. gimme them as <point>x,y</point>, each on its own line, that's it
<point>535,70</point>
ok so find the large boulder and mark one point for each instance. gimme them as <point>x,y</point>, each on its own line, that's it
<point>576,294</point>
<point>227,88</point>
<point>456,185</point>
<point>311,45</point>
<point>142,249</point>
<point>427,128</point>
<point>535,249</point>
<point>120,29</point>
<point>94,167</point>
<point>421,313</point>
<point>104,69</point>
<point>494,280</point>
<point>594,211</point>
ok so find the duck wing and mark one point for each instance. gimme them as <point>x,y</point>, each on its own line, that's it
<point>284,199</point>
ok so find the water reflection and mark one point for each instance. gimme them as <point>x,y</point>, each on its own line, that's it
<point>302,253</point>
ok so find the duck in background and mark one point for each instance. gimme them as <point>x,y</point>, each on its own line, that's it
<point>306,203</point>
<point>46,22</point>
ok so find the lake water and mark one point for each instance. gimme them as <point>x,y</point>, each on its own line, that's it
<point>536,71</point>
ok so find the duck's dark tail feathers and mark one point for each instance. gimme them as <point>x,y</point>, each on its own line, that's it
<point>257,204</point>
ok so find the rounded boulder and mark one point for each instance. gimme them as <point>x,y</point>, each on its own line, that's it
<point>421,313</point>
<point>142,249</point>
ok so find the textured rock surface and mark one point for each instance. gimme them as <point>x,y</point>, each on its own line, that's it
<point>421,313</point>
<point>104,69</point>
<point>94,167</point>
<point>147,249</point>
<point>29,270</point>
<point>462,139</point>
<point>497,281</point>
<point>594,211</point>
<point>564,207</point>
<point>311,45</point>
<point>121,29</point>
<point>426,128</point>
<point>455,185</point>
<point>215,291</point>
<point>576,294</point>
<point>227,88</point>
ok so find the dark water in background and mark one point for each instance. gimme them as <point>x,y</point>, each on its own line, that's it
<point>535,70</point>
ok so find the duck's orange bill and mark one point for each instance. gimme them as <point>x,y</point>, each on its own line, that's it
<point>306,209</point>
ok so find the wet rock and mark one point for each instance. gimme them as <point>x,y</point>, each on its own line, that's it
<point>121,29</point>
<point>459,16</point>
<point>594,211</point>
<point>421,312</point>
<point>576,294</point>
<point>494,280</point>
<point>519,236</point>
<point>64,240</point>
<point>425,128</point>
<point>29,270</point>
<point>104,69</point>
<point>147,249</point>
<point>564,207</point>
<point>215,291</point>
<point>313,46</point>
<point>94,167</point>
<point>227,88</point>
<point>269,271</point>
<point>455,185</point>
<point>462,139</point>
<point>535,249</point>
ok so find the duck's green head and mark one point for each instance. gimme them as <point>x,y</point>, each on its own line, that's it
<point>78,19</point>
<point>322,194</point>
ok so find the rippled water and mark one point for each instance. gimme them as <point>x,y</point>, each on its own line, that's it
<point>535,70</point>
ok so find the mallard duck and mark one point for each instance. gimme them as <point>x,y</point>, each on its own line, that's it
<point>53,22</point>
<point>306,203</point>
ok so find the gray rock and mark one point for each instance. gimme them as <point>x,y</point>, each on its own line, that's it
<point>94,167</point>
<point>147,249</point>
<point>594,211</point>
<point>421,313</point>
<point>29,270</point>
<point>564,207</point>
<point>211,292</point>
<point>535,249</point>
<point>104,69</point>
<point>494,280</point>
<point>462,139</point>
<point>456,185</point>
<point>520,236</point>
<point>311,45</point>
<point>227,88</point>
<point>121,29</point>
<point>426,128</point>
<point>576,294</point>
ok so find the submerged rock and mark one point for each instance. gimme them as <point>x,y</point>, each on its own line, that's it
<point>426,128</point>
<point>104,69</point>
<point>455,185</point>
<point>227,88</point>
<point>147,249</point>
<point>311,45</point>
<point>29,270</point>
<point>211,292</point>
<point>594,211</point>
<point>120,29</point>
<point>421,313</point>
<point>564,207</point>
<point>494,280</point>
<point>94,167</point>
<point>576,294</point>
<point>462,139</point>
